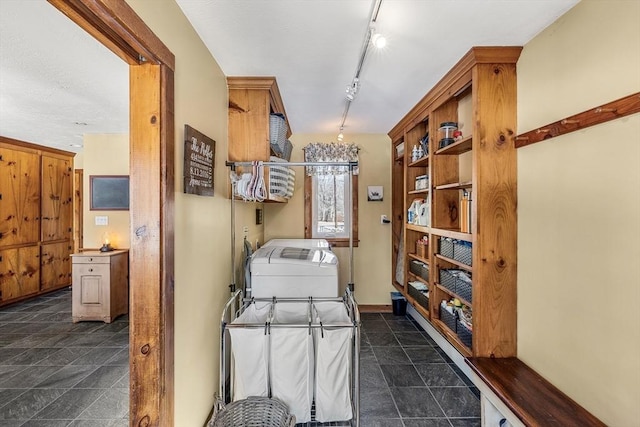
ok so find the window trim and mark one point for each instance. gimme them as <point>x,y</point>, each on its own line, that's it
<point>308,214</point>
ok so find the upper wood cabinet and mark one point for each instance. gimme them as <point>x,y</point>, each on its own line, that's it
<point>471,225</point>
<point>251,102</point>
<point>36,219</point>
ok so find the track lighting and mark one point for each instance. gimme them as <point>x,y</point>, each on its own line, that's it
<point>371,38</point>
<point>352,90</point>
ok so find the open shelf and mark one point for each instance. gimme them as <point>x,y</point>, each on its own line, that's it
<point>421,162</point>
<point>455,186</point>
<point>418,278</point>
<point>422,310</point>
<point>423,191</point>
<point>457,263</point>
<point>456,148</point>
<point>453,294</point>
<point>453,234</point>
<point>420,228</point>
<point>416,257</point>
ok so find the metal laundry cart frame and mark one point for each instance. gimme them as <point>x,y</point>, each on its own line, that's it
<point>236,305</point>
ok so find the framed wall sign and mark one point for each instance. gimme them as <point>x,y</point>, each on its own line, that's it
<point>199,158</point>
<point>375,193</point>
<point>109,192</point>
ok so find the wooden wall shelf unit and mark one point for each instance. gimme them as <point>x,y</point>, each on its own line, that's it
<point>604,113</point>
<point>478,93</point>
<point>36,219</point>
<point>251,102</point>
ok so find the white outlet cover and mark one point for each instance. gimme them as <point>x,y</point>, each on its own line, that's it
<point>102,220</point>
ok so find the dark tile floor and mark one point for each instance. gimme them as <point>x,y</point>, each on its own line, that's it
<point>57,373</point>
<point>407,380</point>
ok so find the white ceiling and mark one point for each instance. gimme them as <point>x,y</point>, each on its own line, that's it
<point>56,81</point>
<point>311,46</point>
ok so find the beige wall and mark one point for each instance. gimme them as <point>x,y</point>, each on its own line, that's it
<point>579,212</point>
<point>372,258</point>
<point>97,148</point>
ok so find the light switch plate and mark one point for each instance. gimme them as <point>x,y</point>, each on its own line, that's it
<point>102,220</point>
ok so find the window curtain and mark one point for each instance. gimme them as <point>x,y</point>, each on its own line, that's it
<point>331,152</point>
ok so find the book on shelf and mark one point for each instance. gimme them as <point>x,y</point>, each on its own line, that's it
<point>465,211</point>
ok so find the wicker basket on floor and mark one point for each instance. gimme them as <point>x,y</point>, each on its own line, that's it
<point>252,411</point>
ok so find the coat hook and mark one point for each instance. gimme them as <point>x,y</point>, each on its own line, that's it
<point>543,130</point>
<point>605,110</point>
<point>570,122</point>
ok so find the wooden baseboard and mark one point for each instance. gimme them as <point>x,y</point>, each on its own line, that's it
<point>374,308</point>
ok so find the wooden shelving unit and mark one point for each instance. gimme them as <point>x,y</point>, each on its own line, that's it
<point>482,164</point>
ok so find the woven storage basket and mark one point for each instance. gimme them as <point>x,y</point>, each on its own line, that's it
<point>278,180</point>
<point>448,280</point>
<point>415,267</point>
<point>420,297</point>
<point>448,319</point>
<point>287,150</point>
<point>424,272</point>
<point>464,289</point>
<point>445,246</point>
<point>465,335</point>
<point>462,252</point>
<point>253,411</point>
<point>278,133</point>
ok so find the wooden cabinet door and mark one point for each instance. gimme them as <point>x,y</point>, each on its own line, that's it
<point>19,272</point>
<point>57,198</point>
<point>55,263</point>
<point>19,197</point>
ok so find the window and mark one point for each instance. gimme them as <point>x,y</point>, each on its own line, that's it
<point>326,209</point>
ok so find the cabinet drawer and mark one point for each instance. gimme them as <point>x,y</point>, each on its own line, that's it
<point>91,259</point>
<point>91,270</point>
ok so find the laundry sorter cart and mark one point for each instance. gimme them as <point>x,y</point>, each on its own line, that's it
<point>303,352</point>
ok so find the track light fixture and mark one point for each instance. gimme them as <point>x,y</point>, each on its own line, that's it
<point>352,89</point>
<point>378,40</point>
<point>371,38</point>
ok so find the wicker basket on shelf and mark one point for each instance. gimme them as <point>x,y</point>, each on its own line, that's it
<point>252,411</point>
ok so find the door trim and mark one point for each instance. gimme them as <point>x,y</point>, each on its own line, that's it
<point>151,257</point>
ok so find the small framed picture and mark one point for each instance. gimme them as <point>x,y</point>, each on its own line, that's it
<point>109,192</point>
<point>374,193</point>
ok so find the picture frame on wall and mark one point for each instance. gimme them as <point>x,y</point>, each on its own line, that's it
<point>375,193</point>
<point>109,192</point>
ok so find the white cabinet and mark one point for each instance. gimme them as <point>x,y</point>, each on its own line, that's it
<point>100,285</point>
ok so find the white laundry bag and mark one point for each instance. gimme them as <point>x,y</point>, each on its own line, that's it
<point>250,351</point>
<point>333,364</point>
<point>291,362</point>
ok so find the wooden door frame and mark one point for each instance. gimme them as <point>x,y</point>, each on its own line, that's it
<point>151,257</point>
<point>78,206</point>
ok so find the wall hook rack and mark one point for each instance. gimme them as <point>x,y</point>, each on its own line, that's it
<point>613,110</point>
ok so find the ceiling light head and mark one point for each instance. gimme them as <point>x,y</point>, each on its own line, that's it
<point>340,137</point>
<point>352,89</point>
<point>378,41</point>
